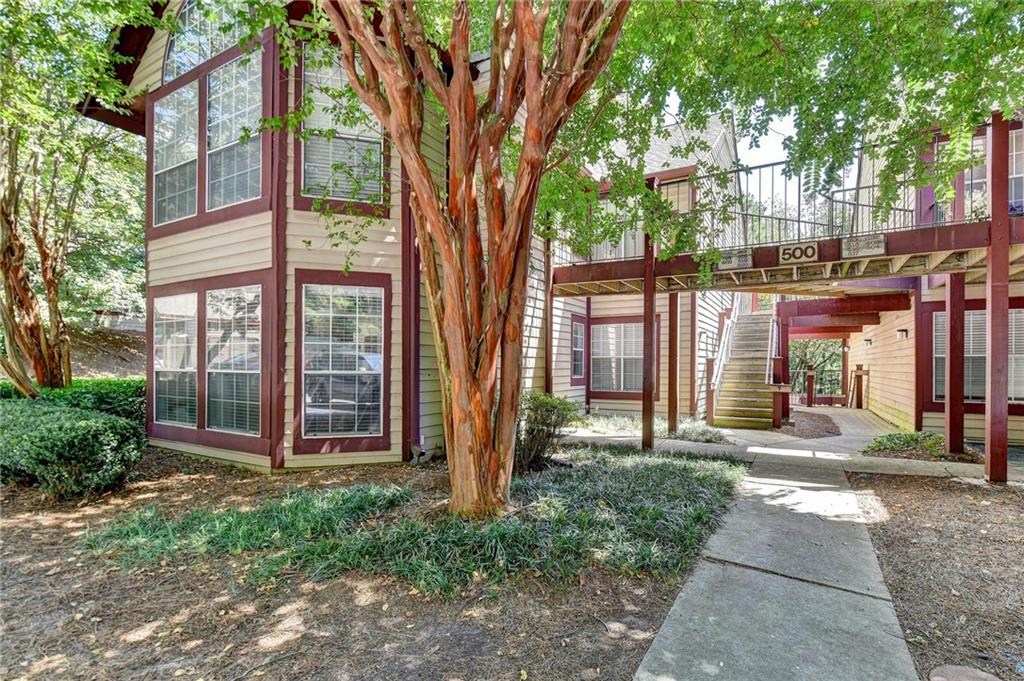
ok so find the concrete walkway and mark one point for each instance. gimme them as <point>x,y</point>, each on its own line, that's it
<point>857,427</point>
<point>788,589</point>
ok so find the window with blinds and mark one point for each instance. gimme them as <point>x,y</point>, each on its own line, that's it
<point>578,340</point>
<point>174,359</point>
<point>175,154</point>
<point>342,360</point>
<point>234,108</point>
<point>343,148</point>
<point>233,344</point>
<point>974,355</point>
<point>1017,172</point>
<point>616,357</point>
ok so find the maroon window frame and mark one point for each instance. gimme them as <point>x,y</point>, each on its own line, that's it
<point>309,203</point>
<point>926,328</point>
<point>354,443</point>
<point>204,217</point>
<point>623,395</point>
<point>585,378</point>
<point>252,444</point>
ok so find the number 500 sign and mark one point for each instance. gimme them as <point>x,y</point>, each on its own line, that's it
<point>797,253</point>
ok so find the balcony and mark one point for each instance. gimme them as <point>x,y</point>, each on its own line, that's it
<point>779,233</point>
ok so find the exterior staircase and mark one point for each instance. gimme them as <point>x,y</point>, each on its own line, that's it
<point>744,399</point>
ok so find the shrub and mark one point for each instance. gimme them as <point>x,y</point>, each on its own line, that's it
<point>926,443</point>
<point>541,417</point>
<point>124,397</point>
<point>64,451</point>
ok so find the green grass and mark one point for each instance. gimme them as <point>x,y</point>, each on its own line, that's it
<point>926,443</point>
<point>617,509</point>
<point>690,430</point>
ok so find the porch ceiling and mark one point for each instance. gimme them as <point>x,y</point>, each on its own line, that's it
<point>904,256</point>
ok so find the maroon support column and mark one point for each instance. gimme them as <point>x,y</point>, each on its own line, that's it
<point>673,362</point>
<point>858,387</point>
<point>810,387</point>
<point>649,377</point>
<point>709,390</point>
<point>997,291</point>
<point>955,362</point>
<point>784,353</point>
<point>846,370</point>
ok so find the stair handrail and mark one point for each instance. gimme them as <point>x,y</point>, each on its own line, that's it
<point>724,350</point>
<point>773,344</point>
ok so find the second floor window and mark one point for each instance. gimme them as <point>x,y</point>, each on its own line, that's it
<point>233,113</point>
<point>175,154</point>
<point>343,154</point>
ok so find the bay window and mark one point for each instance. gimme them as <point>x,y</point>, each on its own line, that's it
<point>974,355</point>
<point>343,146</point>
<point>233,350</point>
<point>174,359</point>
<point>343,360</point>
<point>616,357</point>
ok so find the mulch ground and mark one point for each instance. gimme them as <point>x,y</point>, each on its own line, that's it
<point>66,614</point>
<point>809,425</point>
<point>970,455</point>
<point>952,554</point>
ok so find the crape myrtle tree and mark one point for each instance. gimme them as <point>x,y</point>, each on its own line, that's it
<point>530,136</point>
<point>70,188</point>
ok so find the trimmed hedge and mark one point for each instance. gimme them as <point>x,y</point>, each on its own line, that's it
<point>124,397</point>
<point>64,451</point>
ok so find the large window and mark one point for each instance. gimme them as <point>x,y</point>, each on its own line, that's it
<point>342,360</point>
<point>174,359</point>
<point>974,355</point>
<point>343,152</point>
<point>616,357</point>
<point>1017,172</point>
<point>579,335</point>
<point>175,154</point>
<point>202,32</point>
<point>233,346</point>
<point>234,107</point>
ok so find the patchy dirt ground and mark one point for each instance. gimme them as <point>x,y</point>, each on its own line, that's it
<point>810,425</point>
<point>67,615</point>
<point>970,455</point>
<point>107,353</point>
<point>952,554</point>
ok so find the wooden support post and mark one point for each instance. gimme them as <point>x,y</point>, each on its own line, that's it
<point>955,362</point>
<point>997,293</point>
<point>784,353</point>
<point>858,387</point>
<point>709,390</point>
<point>673,362</point>
<point>549,320</point>
<point>777,396</point>
<point>845,378</point>
<point>810,387</point>
<point>649,377</point>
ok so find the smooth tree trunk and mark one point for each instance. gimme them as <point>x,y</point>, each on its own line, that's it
<point>476,287</point>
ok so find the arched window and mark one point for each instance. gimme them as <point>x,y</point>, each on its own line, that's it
<point>202,32</point>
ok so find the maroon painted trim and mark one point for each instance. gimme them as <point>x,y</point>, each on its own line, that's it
<point>331,445</point>
<point>253,444</point>
<point>279,216</point>
<point>410,327</point>
<point>843,306</point>
<point>922,358</point>
<point>673,361</point>
<point>954,389</point>
<point>861,319</point>
<point>650,340</point>
<point>549,324</point>
<point>586,355</point>
<point>579,319</point>
<point>311,203</point>
<point>804,331</point>
<point>997,294</point>
<point>204,217</point>
<point>926,376</point>
<point>619,395</point>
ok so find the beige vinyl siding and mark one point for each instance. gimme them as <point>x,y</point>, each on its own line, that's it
<point>240,245</point>
<point>533,320</point>
<point>561,348</point>
<point>150,71</point>
<point>615,306</point>
<point>974,426</point>
<point>710,304</point>
<point>889,388</point>
<point>685,348</point>
<point>257,461</point>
